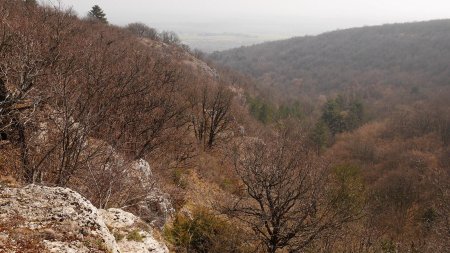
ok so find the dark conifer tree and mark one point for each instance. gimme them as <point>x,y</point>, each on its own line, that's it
<point>97,13</point>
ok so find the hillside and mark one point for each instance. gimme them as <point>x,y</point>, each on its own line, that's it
<point>374,99</point>
<point>411,57</point>
<point>115,116</point>
<point>122,139</point>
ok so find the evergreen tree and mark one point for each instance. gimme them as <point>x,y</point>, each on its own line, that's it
<point>261,110</point>
<point>356,116</point>
<point>289,111</point>
<point>341,116</point>
<point>320,136</point>
<point>264,114</point>
<point>333,117</point>
<point>97,13</point>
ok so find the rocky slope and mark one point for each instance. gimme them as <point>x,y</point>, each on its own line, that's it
<point>45,219</point>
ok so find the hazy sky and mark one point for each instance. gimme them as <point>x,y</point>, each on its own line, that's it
<point>276,18</point>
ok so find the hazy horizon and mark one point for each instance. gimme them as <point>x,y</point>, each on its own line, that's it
<point>217,25</point>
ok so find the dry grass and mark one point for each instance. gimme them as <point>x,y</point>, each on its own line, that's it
<point>19,239</point>
<point>10,166</point>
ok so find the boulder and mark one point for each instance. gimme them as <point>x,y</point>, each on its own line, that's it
<point>53,219</point>
<point>131,233</point>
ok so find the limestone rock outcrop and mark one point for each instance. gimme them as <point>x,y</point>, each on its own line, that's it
<point>131,233</point>
<point>53,219</point>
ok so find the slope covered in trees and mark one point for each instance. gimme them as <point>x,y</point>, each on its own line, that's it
<point>375,102</point>
<point>131,118</point>
<point>411,57</point>
<point>134,121</point>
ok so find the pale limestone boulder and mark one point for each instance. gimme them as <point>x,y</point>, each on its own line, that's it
<point>132,234</point>
<point>51,219</point>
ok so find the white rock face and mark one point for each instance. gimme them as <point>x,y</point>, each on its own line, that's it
<point>144,167</point>
<point>53,219</point>
<point>132,234</point>
<point>128,178</point>
<point>156,208</point>
<point>117,218</point>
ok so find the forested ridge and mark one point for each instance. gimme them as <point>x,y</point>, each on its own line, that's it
<point>411,57</point>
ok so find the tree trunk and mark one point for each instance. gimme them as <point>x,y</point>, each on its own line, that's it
<point>29,173</point>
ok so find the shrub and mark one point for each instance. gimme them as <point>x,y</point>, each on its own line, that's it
<point>179,178</point>
<point>203,232</point>
<point>135,236</point>
<point>118,236</point>
<point>349,190</point>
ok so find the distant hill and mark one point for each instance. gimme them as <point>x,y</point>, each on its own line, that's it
<point>411,56</point>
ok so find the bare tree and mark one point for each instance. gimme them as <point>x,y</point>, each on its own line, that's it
<point>439,241</point>
<point>211,113</point>
<point>170,37</point>
<point>286,202</point>
<point>28,57</point>
<point>151,112</point>
<point>143,31</point>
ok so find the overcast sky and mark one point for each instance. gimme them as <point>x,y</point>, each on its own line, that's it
<point>283,18</point>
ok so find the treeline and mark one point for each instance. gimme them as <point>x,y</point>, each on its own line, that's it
<point>144,31</point>
<point>138,29</point>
